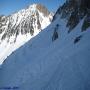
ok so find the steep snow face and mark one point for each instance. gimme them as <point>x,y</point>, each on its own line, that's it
<point>43,64</point>
<point>53,60</point>
<point>18,28</point>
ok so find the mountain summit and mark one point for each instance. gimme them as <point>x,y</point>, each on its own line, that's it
<point>18,28</point>
<point>30,20</point>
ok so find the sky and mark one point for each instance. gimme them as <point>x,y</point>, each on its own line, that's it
<point>8,7</point>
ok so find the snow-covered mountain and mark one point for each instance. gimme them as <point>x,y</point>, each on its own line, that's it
<point>18,28</point>
<point>58,58</point>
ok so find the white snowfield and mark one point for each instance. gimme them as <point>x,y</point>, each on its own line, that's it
<point>6,48</point>
<point>41,64</point>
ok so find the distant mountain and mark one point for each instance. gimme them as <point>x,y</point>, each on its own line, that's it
<point>58,58</point>
<point>18,28</point>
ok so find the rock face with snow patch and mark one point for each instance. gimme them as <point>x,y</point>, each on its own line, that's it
<point>74,11</point>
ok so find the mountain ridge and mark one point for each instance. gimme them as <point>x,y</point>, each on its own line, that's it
<point>18,28</point>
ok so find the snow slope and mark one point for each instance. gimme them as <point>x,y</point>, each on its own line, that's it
<point>43,64</point>
<point>18,28</point>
